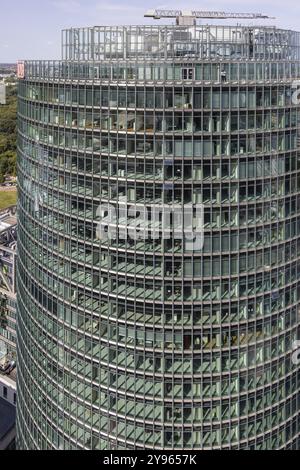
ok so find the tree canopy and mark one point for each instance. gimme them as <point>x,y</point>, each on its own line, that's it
<point>8,134</point>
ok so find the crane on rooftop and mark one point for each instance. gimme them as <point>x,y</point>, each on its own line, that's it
<point>189,16</point>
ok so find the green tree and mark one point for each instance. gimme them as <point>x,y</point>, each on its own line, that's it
<point>8,134</point>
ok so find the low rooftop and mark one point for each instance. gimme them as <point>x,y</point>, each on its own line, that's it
<point>8,225</point>
<point>7,219</point>
<point>7,418</point>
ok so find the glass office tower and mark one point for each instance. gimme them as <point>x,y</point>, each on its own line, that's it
<point>149,343</point>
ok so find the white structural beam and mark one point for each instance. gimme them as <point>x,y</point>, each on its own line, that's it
<point>158,14</point>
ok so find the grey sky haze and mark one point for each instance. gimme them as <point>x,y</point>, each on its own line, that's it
<point>30,29</point>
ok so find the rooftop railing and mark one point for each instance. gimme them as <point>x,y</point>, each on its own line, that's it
<point>187,72</point>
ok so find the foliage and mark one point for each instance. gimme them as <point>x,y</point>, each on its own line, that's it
<point>8,134</point>
<point>8,198</point>
<point>3,311</point>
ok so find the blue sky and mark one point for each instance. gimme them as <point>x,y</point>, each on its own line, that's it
<point>30,29</point>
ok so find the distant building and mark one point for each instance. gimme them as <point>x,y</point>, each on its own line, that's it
<point>2,93</point>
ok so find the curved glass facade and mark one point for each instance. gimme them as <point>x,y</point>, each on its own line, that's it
<point>133,344</point>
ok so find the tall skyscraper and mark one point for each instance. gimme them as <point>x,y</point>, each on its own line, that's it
<point>131,338</point>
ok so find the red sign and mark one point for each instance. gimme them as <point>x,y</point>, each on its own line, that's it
<point>21,70</point>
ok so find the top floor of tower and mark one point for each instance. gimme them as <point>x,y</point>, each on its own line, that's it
<point>184,40</point>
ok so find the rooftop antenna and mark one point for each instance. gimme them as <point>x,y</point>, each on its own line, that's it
<point>188,17</point>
